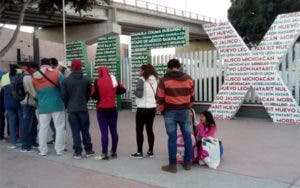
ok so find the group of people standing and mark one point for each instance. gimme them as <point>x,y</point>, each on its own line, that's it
<point>50,90</point>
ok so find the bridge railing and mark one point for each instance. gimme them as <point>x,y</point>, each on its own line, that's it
<point>167,10</point>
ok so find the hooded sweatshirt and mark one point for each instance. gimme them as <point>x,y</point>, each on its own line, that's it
<point>145,92</point>
<point>75,92</point>
<point>9,101</point>
<point>49,99</point>
<point>106,86</point>
<point>175,91</point>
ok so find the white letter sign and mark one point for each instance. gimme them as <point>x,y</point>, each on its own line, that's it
<point>256,69</point>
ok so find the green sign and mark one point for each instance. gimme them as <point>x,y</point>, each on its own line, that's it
<point>142,43</point>
<point>77,50</point>
<point>108,55</point>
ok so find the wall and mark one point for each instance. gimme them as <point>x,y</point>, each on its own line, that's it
<point>24,42</point>
<point>196,46</point>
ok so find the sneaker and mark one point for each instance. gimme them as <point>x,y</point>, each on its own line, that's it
<point>34,146</point>
<point>150,154</point>
<point>51,142</point>
<point>137,155</point>
<point>187,166</point>
<point>201,163</point>
<point>89,153</point>
<point>101,157</point>
<point>12,147</point>
<point>42,154</point>
<point>114,155</point>
<point>25,150</point>
<point>169,168</point>
<point>60,154</point>
<point>77,156</point>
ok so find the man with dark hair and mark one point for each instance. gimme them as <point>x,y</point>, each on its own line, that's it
<point>47,82</point>
<point>11,105</point>
<point>75,93</point>
<point>30,122</point>
<point>55,65</point>
<point>175,94</point>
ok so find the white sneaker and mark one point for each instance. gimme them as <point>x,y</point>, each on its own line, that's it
<point>42,154</point>
<point>12,147</point>
<point>25,150</point>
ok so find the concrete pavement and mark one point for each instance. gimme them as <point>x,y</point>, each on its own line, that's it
<point>257,154</point>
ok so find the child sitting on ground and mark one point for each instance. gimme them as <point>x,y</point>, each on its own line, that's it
<point>206,128</point>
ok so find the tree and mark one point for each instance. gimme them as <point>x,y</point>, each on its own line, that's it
<point>44,6</point>
<point>252,18</point>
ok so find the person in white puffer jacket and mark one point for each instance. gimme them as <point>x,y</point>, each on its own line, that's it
<point>146,108</point>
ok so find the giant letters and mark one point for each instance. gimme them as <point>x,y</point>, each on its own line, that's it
<point>256,68</point>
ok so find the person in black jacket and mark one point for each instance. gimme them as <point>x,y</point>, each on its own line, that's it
<point>75,93</point>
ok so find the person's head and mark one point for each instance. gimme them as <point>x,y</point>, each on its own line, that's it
<point>45,61</point>
<point>147,70</point>
<point>53,62</point>
<point>13,69</point>
<point>76,65</point>
<point>207,119</point>
<point>174,65</point>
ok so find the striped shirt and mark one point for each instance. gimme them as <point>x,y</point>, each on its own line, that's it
<point>175,91</point>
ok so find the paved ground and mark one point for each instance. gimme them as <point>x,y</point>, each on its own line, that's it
<point>257,154</point>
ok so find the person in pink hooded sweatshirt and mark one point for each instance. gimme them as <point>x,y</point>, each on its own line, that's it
<point>206,128</point>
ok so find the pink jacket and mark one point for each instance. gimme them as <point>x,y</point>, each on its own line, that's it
<point>204,132</point>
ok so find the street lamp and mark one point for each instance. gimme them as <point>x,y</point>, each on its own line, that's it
<point>64,32</point>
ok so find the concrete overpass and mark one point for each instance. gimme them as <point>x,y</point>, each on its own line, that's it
<point>121,17</point>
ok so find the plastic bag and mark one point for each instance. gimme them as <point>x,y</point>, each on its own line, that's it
<point>211,145</point>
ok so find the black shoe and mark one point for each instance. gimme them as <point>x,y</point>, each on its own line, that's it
<point>137,155</point>
<point>89,153</point>
<point>51,142</point>
<point>113,155</point>
<point>150,154</point>
<point>187,166</point>
<point>77,156</point>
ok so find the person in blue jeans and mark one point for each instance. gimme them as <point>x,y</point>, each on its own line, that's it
<point>12,106</point>
<point>30,122</point>
<point>175,95</point>
<point>75,92</point>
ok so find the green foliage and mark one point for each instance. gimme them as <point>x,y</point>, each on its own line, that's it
<point>51,6</point>
<point>252,18</point>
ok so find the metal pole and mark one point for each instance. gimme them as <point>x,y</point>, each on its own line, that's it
<point>64,31</point>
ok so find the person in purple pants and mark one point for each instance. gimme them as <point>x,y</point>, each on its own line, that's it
<point>104,91</point>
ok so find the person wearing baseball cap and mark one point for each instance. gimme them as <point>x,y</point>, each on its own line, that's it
<point>75,92</point>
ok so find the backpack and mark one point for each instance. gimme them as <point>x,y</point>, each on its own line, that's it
<point>17,88</point>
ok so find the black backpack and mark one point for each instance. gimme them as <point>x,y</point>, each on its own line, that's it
<point>17,88</point>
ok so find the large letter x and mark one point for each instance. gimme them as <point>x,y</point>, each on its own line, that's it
<point>256,69</point>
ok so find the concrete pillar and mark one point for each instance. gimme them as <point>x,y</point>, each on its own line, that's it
<point>88,32</point>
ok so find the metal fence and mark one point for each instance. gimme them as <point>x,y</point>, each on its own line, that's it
<point>208,72</point>
<point>166,10</point>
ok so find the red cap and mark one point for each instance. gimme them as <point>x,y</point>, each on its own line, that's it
<point>76,65</point>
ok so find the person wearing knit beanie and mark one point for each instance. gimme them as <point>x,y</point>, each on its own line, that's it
<point>76,65</point>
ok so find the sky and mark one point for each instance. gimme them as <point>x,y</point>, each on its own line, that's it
<point>212,8</point>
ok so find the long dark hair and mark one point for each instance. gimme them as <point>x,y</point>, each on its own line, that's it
<point>148,70</point>
<point>210,122</point>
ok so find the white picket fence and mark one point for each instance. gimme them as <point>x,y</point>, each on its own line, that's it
<point>208,72</point>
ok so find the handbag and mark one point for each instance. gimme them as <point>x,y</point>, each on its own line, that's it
<point>120,89</point>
